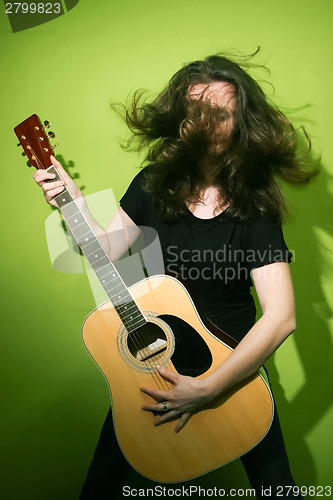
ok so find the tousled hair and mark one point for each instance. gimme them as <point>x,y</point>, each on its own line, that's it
<point>175,131</point>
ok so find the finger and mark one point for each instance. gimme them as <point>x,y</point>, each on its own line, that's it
<point>156,394</point>
<point>182,421</point>
<point>49,186</point>
<point>155,408</point>
<point>166,417</point>
<point>49,195</point>
<point>56,163</point>
<point>41,176</point>
<point>168,375</point>
<point>162,407</point>
<point>62,172</point>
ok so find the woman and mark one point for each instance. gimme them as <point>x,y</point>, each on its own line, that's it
<point>215,146</point>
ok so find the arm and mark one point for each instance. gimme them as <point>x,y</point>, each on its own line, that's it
<point>127,230</point>
<point>275,293</point>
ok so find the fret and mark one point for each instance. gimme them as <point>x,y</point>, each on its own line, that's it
<point>109,269</point>
<point>131,326</point>
<point>69,210</point>
<point>76,219</point>
<point>54,171</point>
<point>130,316</point>
<point>63,198</point>
<point>132,319</point>
<point>128,309</point>
<point>109,278</point>
<point>120,298</point>
<point>91,246</point>
<point>97,259</point>
<point>110,289</point>
<point>85,239</point>
<point>113,292</point>
<point>100,263</point>
<point>80,231</point>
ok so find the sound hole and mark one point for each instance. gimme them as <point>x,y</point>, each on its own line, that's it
<point>189,353</point>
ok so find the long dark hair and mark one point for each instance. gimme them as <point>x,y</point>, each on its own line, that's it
<point>176,129</point>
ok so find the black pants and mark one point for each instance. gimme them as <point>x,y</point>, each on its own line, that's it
<point>266,465</point>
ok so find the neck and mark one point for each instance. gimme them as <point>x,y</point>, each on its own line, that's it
<point>208,168</point>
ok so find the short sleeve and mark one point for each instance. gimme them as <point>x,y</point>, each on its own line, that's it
<point>265,244</point>
<point>133,201</point>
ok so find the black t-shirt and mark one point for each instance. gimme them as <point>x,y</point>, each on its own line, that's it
<point>214,255</point>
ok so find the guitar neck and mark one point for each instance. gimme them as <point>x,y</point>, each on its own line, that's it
<point>105,270</point>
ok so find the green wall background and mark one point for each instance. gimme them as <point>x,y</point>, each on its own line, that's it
<point>68,71</point>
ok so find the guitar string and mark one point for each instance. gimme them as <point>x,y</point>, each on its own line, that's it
<point>136,336</point>
<point>140,342</point>
<point>160,382</point>
<point>139,336</point>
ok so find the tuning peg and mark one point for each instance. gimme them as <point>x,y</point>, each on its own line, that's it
<point>23,154</point>
<point>55,145</point>
<point>51,134</point>
<point>46,124</point>
<point>28,164</point>
<point>18,145</point>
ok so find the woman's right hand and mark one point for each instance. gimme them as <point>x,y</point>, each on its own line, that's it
<point>51,189</point>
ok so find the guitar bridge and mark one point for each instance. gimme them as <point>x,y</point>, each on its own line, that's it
<point>151,350</point>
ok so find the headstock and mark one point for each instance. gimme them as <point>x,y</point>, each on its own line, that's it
<point>35,141</point>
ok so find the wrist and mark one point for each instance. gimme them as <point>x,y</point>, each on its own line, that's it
<point>80,200</point>
<point>208,389</point>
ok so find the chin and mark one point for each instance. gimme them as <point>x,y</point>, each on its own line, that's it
<point>217,149</point>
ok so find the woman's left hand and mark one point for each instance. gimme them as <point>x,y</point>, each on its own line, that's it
<point>186,396</point>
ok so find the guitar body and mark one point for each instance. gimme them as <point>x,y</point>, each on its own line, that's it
<point>215,435</point>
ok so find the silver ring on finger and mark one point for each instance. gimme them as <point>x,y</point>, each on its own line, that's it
<point>164,406</point>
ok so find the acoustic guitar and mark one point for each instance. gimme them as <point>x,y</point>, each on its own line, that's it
<point>155,322</point>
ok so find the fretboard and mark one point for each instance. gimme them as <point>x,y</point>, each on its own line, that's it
<point>106,272</point>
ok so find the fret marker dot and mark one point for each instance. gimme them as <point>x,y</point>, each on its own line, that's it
<point>96,255</point>
<point>64,199</point>
<point>86,239</point>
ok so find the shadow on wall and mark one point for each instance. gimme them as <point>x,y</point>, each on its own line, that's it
<point>310,208</point>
